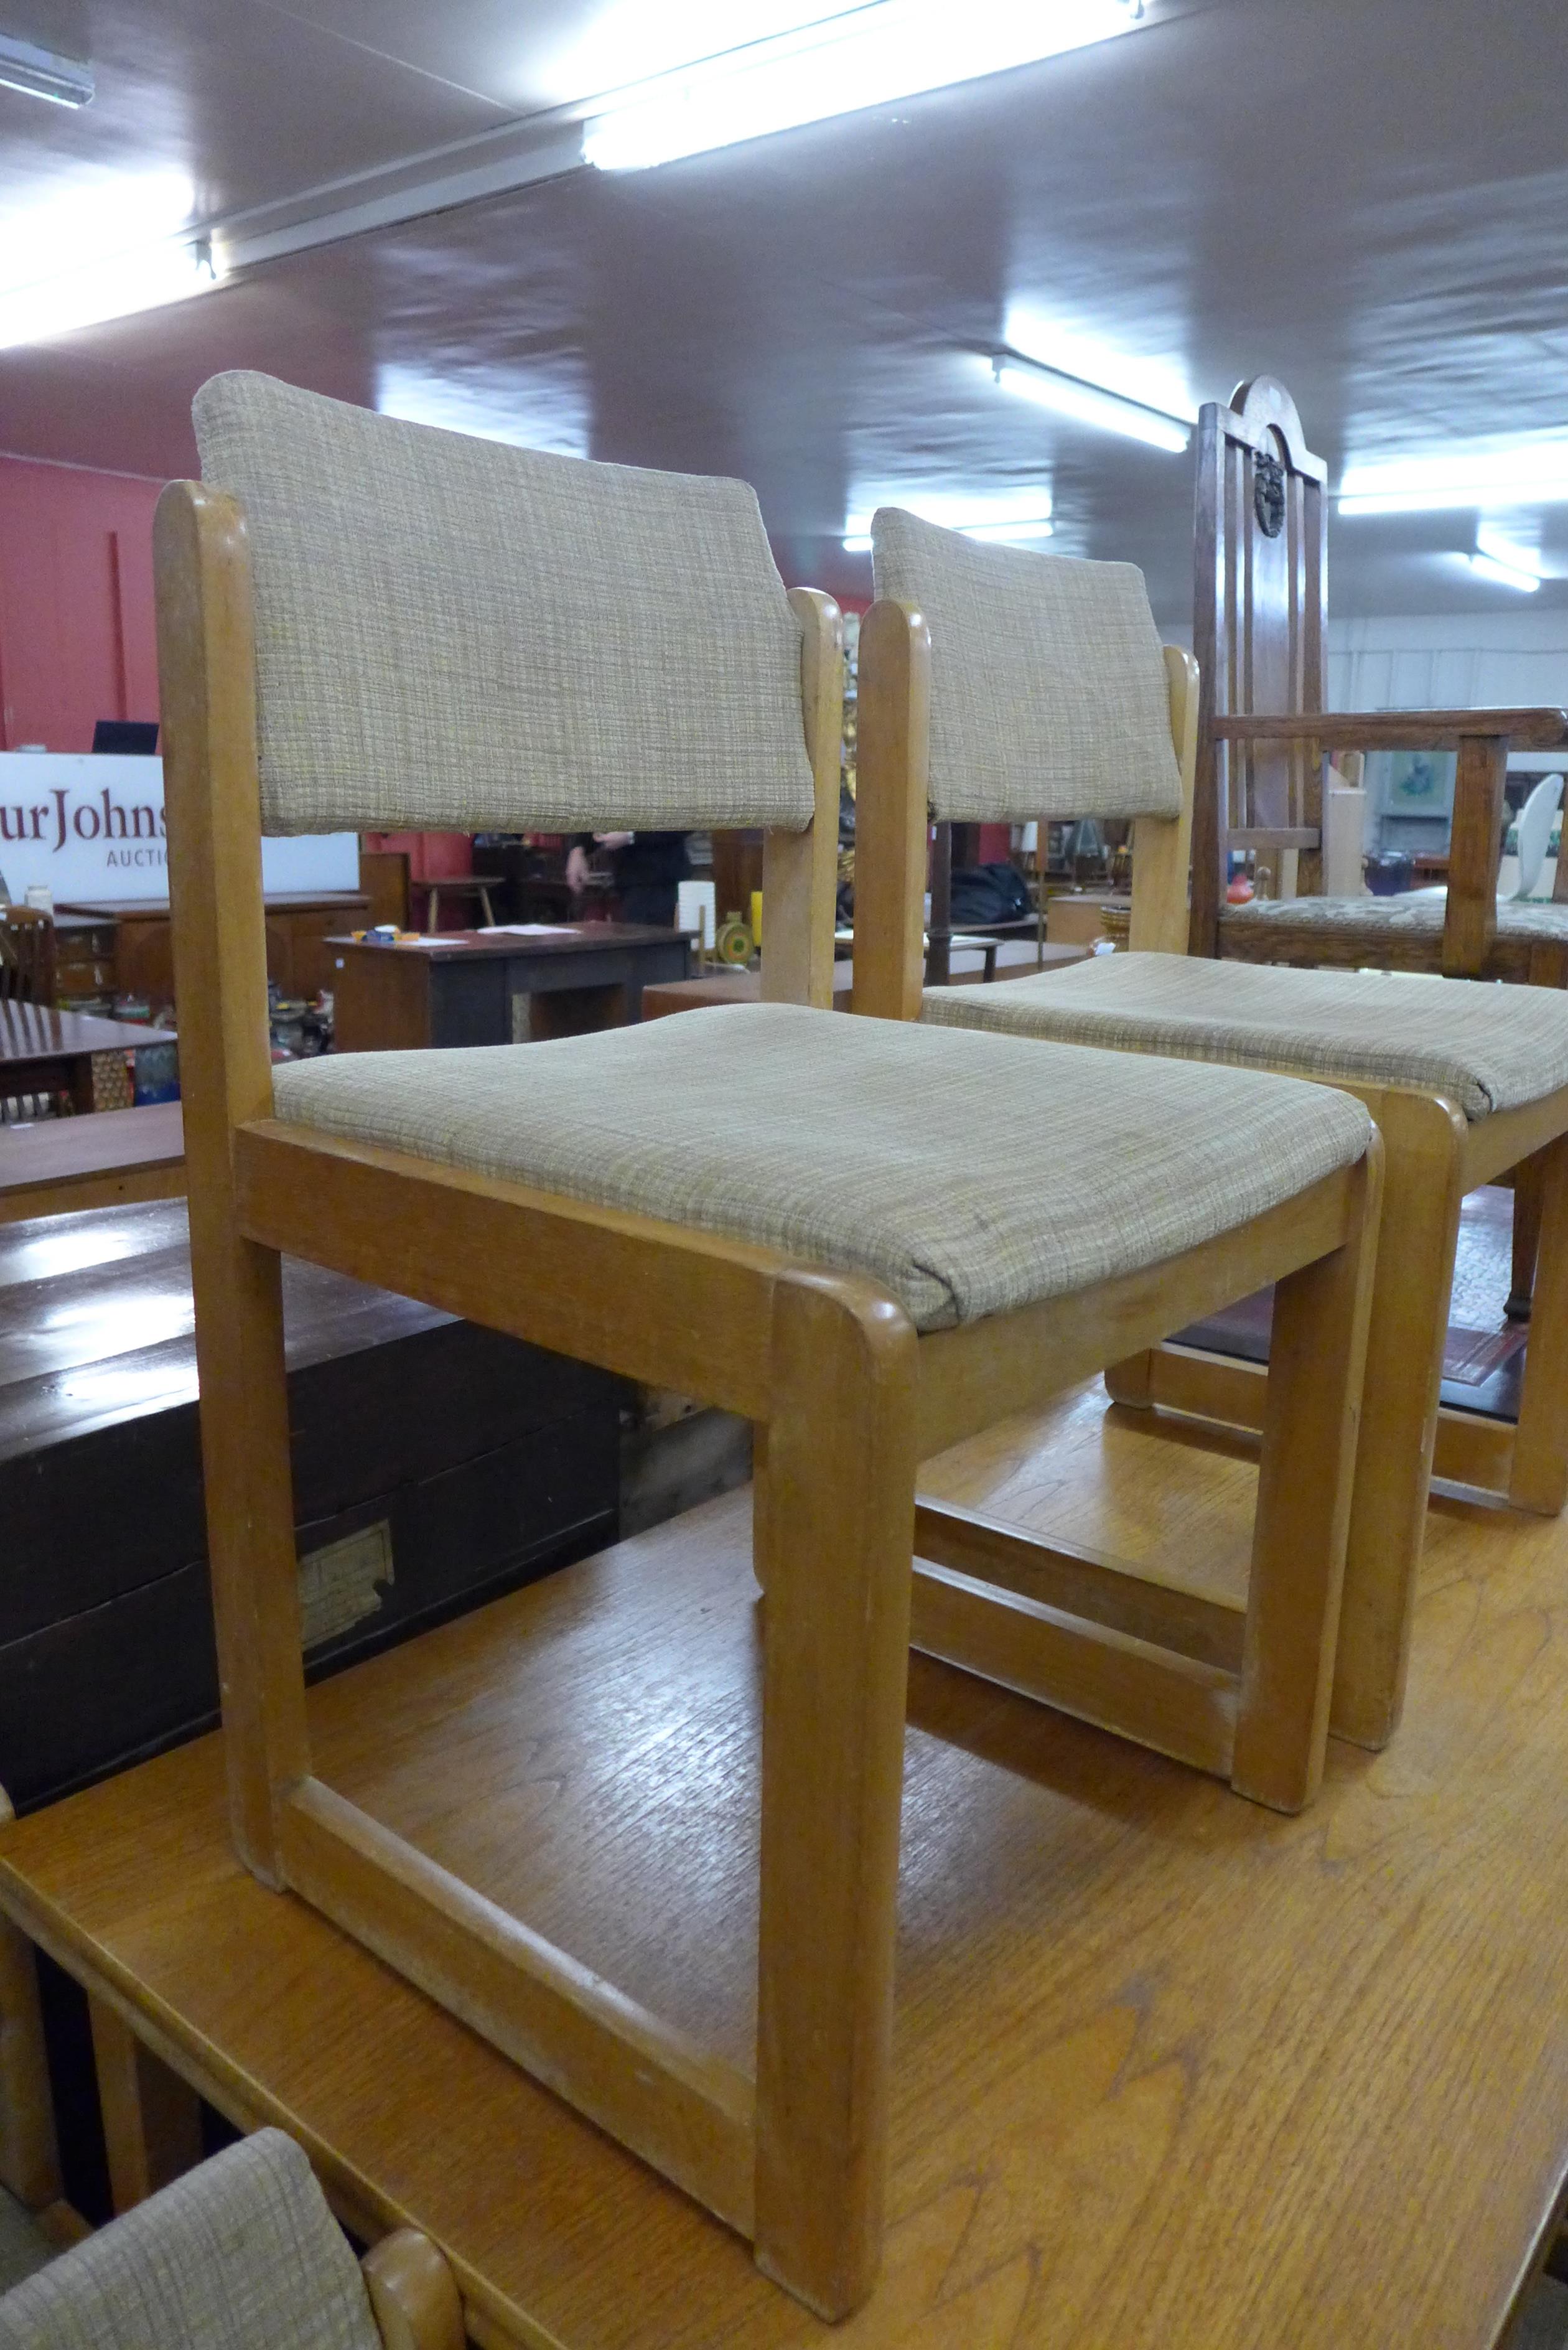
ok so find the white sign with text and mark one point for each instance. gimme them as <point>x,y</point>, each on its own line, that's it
<point>89,828</point>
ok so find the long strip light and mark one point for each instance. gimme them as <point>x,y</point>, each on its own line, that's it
<point>1521,473</point>
<point>116,288</point>
<point>1502,575</point>
<point>1090,403</point>
<point>873,54</point>
<point>109,247</point>
<point>41,73</point>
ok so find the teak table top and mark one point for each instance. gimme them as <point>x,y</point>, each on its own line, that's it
<point>40,1032</point>
<point>1171,2072</point>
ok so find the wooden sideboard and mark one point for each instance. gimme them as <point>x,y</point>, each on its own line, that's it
<point>125,946</point>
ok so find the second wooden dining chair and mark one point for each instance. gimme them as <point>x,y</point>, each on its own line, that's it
<point>981,688</point>
<point>366,624</point>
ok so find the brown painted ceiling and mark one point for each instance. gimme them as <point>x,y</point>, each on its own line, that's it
<point>1369,198</point>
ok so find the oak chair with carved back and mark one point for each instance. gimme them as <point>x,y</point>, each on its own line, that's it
<point>365,624</point>
<point>978,678</point>
<point>1260,631</point>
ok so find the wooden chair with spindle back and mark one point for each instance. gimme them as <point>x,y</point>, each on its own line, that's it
<point>1259,633</point>
<point>366,624</point>
<point>27,955</point>
<point>1260,627</point>
<point>979,670</point>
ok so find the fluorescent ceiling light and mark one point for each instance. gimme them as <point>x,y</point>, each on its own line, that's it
<point>1502,575</point>
<point>107,248</point>
<point>1518,473</point>
<point>1015,518</point>
<point>40,73</point>
<point>1090,403</point>
<point>1148,381</point>
<point>873,54</point>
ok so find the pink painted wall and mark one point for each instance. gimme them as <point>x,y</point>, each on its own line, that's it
<point>77,638</point>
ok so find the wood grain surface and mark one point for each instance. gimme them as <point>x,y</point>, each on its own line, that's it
<point>1170,2071</point>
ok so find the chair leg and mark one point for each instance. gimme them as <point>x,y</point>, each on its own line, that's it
<point>152,2118</point>
<point>1130,1381</point>
<point>1540,1478</point>
<point>1317,1362</point>
<point>250,1523</point>
<point>29,2152</point>
<point>839,1542</point>
<point>1529,1178</point>
<point>1424,1140</point>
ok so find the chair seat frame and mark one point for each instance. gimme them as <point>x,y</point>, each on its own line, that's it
<point>848,1398</point>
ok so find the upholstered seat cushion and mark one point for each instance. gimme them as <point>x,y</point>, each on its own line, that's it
<point>1486,1047</point>
<point>964,1175</point>
<point>1414,913</point>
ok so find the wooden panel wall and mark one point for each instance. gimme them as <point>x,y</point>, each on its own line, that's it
<point>75,602</point>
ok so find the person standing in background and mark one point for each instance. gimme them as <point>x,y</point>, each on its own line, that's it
<point>648,868</point>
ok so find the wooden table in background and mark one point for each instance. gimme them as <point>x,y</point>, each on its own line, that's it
<point>497,987</point>
<point>59,1164</point>
<point>297,922</point>
<point>1015,961</point>
<point>43,1050</point>
<point>1171,2072</point>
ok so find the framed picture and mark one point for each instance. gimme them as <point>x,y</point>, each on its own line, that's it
<point>1421,784</point>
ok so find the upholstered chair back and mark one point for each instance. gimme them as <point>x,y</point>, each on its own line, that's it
<point>452,634</point>
<point>1049,693</point>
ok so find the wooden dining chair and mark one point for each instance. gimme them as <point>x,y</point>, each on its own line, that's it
<point>977,677</point>
<point>241,2253</point>
<point>1260,630</point>
<point>366,624</point>
<point>27,955</point>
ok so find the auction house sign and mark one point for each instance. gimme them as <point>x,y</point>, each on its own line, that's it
<point>91,828</point>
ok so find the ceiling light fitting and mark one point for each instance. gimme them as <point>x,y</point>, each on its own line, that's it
<point>115,288</point>
<point>869,55</point>
<point>1090,403</point>
<point>40,73</point>
<point>1523,473</point>
<point>1502,575</point>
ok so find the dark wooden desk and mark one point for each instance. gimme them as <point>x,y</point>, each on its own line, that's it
<point>60,1164</point>
<point>297,920</point>
<point>434,1460</point>
<point>498,987</point>
<point>45,1051</point>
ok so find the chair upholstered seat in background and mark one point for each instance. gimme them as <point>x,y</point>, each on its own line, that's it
<point>241,2253</point>
<point>870,1245</point>
<point>977,678</point>
<point>915,1160</point>
<point>1293,926</point>
<point>1485,1050</point>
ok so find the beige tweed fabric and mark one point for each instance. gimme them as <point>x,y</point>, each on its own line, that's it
<point>1406,915</point>
<point>453,634</point>
<point>1048,693</point>
<point>1486,1047</point>
<point>240,2254</point>
<point>964,1175</point>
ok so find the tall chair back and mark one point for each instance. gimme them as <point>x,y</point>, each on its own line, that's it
<point>997,684</point>
<point>453,634</point>
<point>27,955</point>
<point>1260,621</point>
